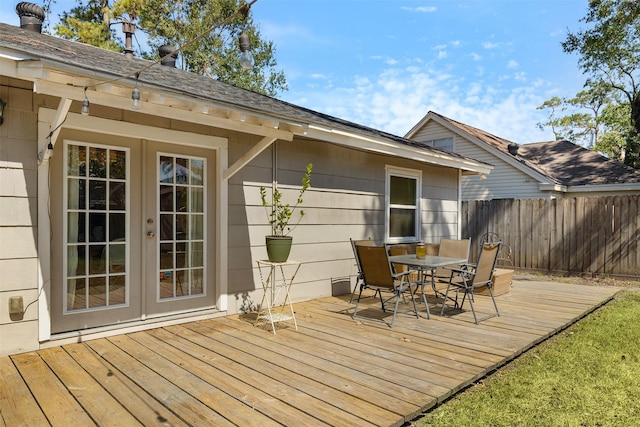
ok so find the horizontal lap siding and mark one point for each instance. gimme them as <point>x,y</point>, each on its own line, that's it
<point>596,235</point>
<point>503,180</point>
<point>346,200</point>
<point>18,217</point>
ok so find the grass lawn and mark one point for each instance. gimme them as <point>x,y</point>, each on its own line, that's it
<point>588,375</point>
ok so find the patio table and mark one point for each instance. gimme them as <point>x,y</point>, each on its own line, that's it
<point>422,265</point>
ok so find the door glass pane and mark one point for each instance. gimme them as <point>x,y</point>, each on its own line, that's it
<point>117,227</point>
<point>117,196</point>
<point>117,290</point>
<point>181,200</point>
<point>97,195</point>
<point>197,171</point>
<point>96,235</point>
<point>97,162</point>
<point>182,227</point>
<point>197,200</point>
<point>117,164</point>
<point>196,229</point>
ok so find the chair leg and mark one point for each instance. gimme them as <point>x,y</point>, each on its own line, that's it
<point>473,310</point>
<point>413,300</point>
<point>353,292</point>
<point>399,292</point>
<point>495,305</point>
<point>355,311</point>
<point>395,310</point>
<point>359,282</point>
<point>444,300</point>
<point>494,300</point>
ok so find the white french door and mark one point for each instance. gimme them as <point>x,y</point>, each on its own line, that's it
<point>179,229</point>
<point>135,235</point>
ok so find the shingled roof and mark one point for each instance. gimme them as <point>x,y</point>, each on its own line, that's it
<point>113,65</point>
<point>570,164</point>
<point>563,162</point>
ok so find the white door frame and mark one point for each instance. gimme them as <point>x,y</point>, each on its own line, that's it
<point>76,121</point>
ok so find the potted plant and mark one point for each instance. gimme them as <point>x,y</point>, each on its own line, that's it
<point>279,215</point>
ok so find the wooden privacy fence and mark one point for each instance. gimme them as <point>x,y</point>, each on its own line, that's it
<point>597,235</point>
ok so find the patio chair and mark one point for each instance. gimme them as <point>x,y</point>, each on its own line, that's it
<point>378,274</point>
<point>359,278</point>
<point>472,276</point>
<point>505,254</point>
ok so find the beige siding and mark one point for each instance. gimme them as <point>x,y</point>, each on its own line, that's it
<point>18,217</point>
<point>431,131</point>
<point>19,336</point>
<point>504,182</point>
<point>346,200</point>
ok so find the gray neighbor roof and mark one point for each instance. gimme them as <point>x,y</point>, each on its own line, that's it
<point>98,61</point>
<point>563,162</point>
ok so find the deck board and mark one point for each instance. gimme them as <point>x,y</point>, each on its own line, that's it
<point>333,370</point>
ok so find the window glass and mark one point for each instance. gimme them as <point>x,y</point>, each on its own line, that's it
<point>403,191</point>
<point>445,144</point>
<point>181,193</point>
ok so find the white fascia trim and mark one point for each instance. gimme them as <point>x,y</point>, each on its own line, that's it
<point>604,188</point>
<point>395,149</point>
<point>13,55</point>
<point>545,186</point>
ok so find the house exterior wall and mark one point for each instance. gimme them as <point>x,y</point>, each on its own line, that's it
<point>18,217</point>
<point>346,200</point>
<point>504,181</point>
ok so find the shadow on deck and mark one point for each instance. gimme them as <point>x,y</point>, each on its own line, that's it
<point>333,371</point>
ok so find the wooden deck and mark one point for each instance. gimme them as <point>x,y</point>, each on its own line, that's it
<point>333,371</point>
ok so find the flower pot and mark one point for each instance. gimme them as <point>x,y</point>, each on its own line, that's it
<point>278,248</point>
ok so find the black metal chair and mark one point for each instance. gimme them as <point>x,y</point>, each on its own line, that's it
<point>505,254</point>
<point>359,278</point>
<point>378,274</point>
<point>471,276</point>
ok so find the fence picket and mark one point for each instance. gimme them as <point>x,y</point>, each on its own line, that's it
<point>597,235</point>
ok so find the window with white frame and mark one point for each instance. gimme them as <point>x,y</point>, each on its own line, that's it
<point>403,204</point>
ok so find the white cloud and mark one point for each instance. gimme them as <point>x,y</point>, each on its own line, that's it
<point>490,45</point>
<point>421,9</point>
<point>396,99</point>
<point>512,64</point>
<point>520,76</point>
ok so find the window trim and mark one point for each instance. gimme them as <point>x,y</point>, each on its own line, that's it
<point>403,173</point>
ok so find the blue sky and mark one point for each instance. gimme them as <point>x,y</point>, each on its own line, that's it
<point>386,63</point>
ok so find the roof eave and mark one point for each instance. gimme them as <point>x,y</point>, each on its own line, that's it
<point>630,187</point>
<point>391,148</point>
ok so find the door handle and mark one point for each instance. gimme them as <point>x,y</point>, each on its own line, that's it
<point>151,235</point>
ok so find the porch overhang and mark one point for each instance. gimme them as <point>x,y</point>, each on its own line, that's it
<point>390,148</point>
<point>68,83</point>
